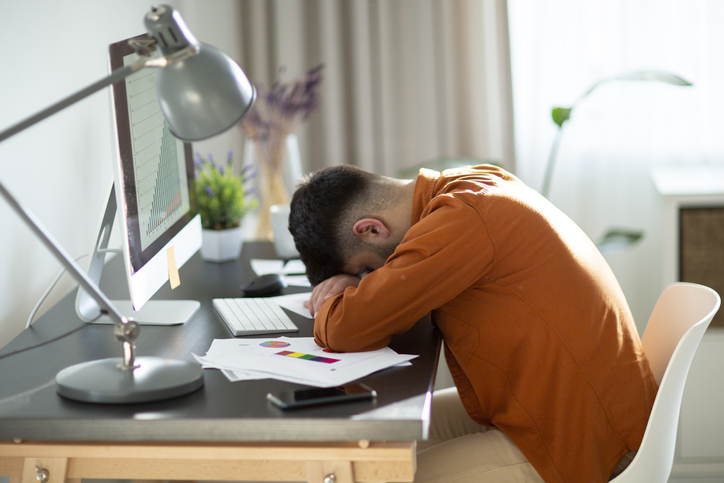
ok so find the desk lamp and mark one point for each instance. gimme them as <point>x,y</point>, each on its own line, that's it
<point>201,92</point>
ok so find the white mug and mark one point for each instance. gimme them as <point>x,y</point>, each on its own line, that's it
<point>283,240</point>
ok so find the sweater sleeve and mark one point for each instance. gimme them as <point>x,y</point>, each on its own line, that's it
<point>441,255</point>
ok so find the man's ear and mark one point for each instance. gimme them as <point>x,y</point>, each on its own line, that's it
<point>370,229</point>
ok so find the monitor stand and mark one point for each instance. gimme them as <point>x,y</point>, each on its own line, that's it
<point>153,312</point>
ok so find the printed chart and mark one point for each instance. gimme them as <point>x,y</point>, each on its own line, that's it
<point>274,344</point>
<point>307,357</point>
<point>300,361</point>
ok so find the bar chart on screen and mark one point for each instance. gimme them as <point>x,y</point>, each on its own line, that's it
<point>159,166</point>
<point>166,195</point>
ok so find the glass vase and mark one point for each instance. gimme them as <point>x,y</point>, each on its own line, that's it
<point>273,192</point>
<point>278,167</point>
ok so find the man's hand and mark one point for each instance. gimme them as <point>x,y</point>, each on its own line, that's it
<point>329,288</point>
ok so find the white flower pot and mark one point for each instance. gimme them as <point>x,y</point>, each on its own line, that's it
<point>221,245</point>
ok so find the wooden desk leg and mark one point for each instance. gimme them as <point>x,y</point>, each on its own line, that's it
<point>45,470</point>
<point>317,471</point>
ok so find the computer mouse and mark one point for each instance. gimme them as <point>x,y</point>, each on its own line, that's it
<point>264,286</point>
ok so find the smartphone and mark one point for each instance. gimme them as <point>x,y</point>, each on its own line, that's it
<point>317,396</point>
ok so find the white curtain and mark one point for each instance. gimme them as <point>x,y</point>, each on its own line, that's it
<point>406,81</point>
<point>618,134</point>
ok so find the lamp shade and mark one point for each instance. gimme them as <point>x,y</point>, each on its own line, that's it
<point>200,95</point>
<point>204,95</point>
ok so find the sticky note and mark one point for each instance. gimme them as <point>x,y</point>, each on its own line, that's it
<point>173,277</point>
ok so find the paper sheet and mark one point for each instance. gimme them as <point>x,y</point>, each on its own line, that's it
<point>295,303</point>
<point>292,267</point>
<point>297,280</point>
<point>295,359</point>
<point>293,271</point>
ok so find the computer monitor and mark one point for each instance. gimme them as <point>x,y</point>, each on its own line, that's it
<point>153,176</point>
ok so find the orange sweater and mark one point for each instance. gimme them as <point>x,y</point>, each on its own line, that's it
<point>538,335</point>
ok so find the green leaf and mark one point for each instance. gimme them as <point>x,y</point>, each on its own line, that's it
<point>219,196</point>
<point>561,115</point>
<point>619,239</point>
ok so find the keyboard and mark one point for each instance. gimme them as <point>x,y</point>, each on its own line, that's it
<point>252,316</point>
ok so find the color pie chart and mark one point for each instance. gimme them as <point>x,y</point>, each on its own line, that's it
<point>274,344</point>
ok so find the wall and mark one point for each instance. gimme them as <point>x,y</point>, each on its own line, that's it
<point>60,169</point>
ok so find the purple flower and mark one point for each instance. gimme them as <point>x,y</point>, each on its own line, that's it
<point>285,106</point>
<point>209,191</point>
<point>198,160</point>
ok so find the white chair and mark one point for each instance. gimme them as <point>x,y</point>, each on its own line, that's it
<point>675,328</point>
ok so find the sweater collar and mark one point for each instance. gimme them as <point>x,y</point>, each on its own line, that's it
<point>423,194</point>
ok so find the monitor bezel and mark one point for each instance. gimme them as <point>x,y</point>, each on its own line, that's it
<point>129,209</point>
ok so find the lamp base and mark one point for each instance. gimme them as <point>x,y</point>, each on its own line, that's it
<point>153,379</point>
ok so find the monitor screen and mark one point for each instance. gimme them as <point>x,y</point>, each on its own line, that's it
<point>156,167</point>
<point>153,176</point>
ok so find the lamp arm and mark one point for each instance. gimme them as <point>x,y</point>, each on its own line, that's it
<point>115,76</point>
<point>125,330</point>
<point>62,256</point>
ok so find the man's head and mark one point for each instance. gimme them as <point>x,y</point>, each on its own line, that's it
<point>338,221</point>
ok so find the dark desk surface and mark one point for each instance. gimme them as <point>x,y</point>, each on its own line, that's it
<point>30,409</point>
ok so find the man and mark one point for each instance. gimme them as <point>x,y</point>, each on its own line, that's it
<point>552,382</point>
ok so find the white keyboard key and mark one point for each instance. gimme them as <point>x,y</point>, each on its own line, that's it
<point>251,316</point>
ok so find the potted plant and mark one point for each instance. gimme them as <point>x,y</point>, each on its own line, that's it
<point>222,200</point>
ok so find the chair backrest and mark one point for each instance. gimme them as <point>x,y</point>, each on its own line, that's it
<point>672,335</point>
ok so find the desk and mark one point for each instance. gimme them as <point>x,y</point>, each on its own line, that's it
<point>224,431</point>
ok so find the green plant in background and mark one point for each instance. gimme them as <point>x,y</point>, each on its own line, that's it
<point>220,196</point>
<point>614,239</point>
